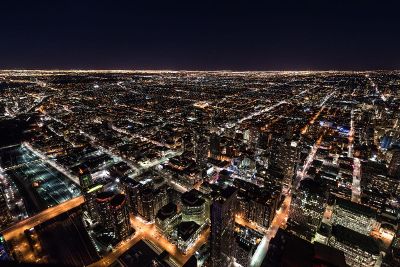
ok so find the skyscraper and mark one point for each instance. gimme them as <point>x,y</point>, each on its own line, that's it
<point>223,211</point>
<point>120,216</point>
<point>90,201</point>
<point>132,190</point>
<point>394,166</point>
<point>285,155</point>
<point>307,209</point>
<point>103,200</point>
<point>4,211</point>
<point>193,207</point>
<point>89,192</point>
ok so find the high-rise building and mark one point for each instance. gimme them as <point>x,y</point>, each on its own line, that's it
<point>132,190</point>
<point>355,216</point>
<point>359,249</point>
<point>5,216</point>
<point>307,209</point>
<point>193,207</point>
<point>120,216</point>
<point>167,218</point>
<point>187,234</point>
<point>394,166</point>
<point>256,204</point>
<point>146,204</point>
<point>223,210</point>
<point>150,201</point>
<point>103,200</point>
<point>215,145</point>
<point>200,136</point>
<point>89,192</point>
<point>90,201</point>
<point>200,145</point>
<point>285,155</point>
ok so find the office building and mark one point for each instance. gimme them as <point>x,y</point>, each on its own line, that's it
<point>359,249</point>
<point>307,209</point>
<point>285,156</point>
<point>167,218</point>
<point>193,207</point>
<point>120,217</point>
<point>132,190</point>
<point>91,203</point>
<point>187,234</point>
<point>150,201</point>
<point>103,201</point>
<point>222,239</point>
<point>355,216</point>
<point>5,216</point>
<point>394,165</point>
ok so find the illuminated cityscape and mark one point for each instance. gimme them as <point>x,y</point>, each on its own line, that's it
<point>186,168</point>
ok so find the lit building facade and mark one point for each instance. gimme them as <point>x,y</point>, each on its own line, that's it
<point>306,209</point>
<point>222,240</point>
<point>193,207</point>
<point>120,217</point>
<point>168,218</point>
<point>187,234</point>
<point>359,249</point>
<point>5,215</point>
<point>103,201</point>
<point>357,217</point>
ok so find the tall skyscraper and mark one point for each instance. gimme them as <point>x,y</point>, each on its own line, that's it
<point>90,201</point>
<point>89,192</point>
<point>307,209</point>
<point>394,166</point>
<point>285,155</point>
<point>103,200</point>
<point>132,190</point>
<point>150,200</point>
<point>200,136</point>
<point>4,211</point>
<point>223,211</point>
<point>120,216</point>
<point>193,207</point>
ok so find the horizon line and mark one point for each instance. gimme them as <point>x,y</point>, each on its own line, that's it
<point>185,70</point>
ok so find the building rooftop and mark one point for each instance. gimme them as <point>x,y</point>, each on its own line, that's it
<point>104,196</point>
<point>355,239</point>
<point>187,229</point>
<point>167,211</point>
<point>355,207</point>
<point>118,200</point>
<point>192,198</point>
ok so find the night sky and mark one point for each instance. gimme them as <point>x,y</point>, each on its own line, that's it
<point>200,35</point>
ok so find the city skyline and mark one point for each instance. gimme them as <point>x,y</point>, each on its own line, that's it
<point>200,133</point>
<point>184,168</point>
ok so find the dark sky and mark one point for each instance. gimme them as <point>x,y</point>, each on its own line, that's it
<point>200,35</point>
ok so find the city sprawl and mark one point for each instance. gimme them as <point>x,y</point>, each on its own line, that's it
<point>180,168</point>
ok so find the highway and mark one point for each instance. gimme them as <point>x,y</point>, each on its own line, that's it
<point>17,229</point>
<point>15,233</point>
